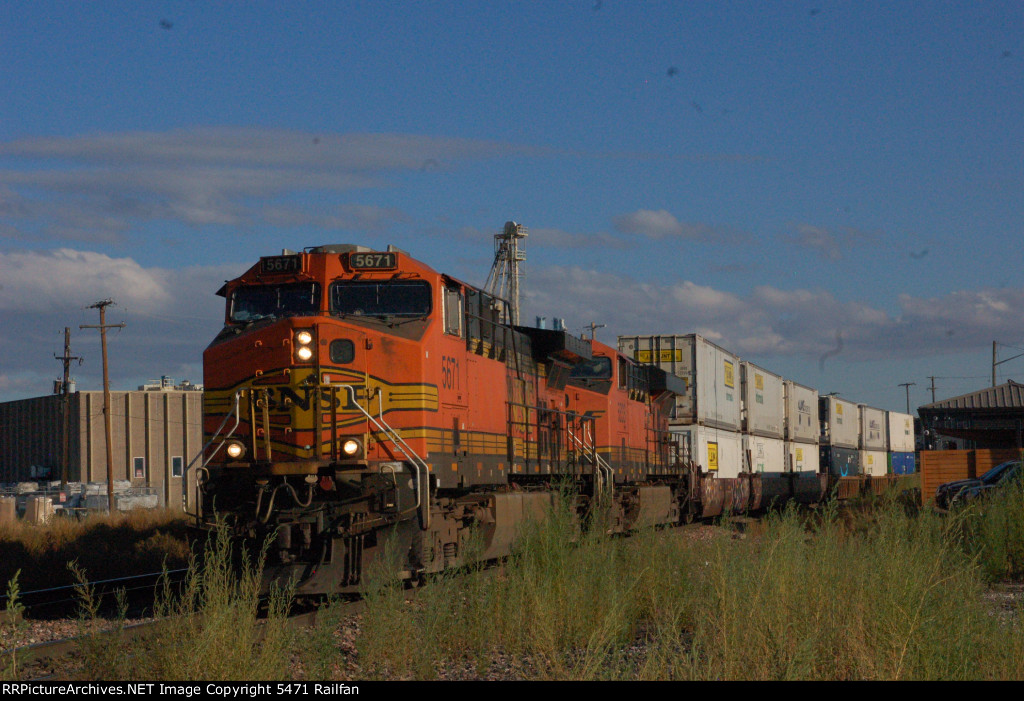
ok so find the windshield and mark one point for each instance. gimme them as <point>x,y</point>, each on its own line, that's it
<point>408,298</point>
<point>997,472</point>
<point>262,301</point>
<point>597,369</point>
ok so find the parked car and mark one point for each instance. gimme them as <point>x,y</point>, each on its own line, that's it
<point>959,492</point>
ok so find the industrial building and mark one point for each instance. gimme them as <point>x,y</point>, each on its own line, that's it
<point>991,418</point>
<point>155,433</point>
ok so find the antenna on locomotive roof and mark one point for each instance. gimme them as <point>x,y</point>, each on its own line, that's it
<point>503,280</point>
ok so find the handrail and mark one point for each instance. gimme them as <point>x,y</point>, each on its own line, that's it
<point>603,469</point>
<point>202,452</point>
<point>417,462</point>
<point>601,462</point>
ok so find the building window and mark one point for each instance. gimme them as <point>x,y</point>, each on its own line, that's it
<point>139,468</point>
<point>177,466</point>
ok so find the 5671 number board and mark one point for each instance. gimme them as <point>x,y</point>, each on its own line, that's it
<point>280,264</point>
<point>373,261</point>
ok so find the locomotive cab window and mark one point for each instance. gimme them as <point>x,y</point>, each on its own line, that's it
<point>597,369</point>
<point>595,375</point>
<point>381,298</point>
<point>254,302</point>
<point>453,311</point>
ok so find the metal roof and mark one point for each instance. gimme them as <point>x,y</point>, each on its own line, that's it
<point>1005,396</point>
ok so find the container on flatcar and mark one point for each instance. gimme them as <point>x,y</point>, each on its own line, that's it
<point>839,462</point>
<point>711,373</point>
<point>840,422</point>
<point>802,460</point>
<point>714,450</point>
<point>801,457</point>
<point>873,432</point>
<point>902,463</point>
<point>801,424</point>
<point>901,432</point>
<point>764,455</point>
<point>763,406</point>
<point>874,463</point>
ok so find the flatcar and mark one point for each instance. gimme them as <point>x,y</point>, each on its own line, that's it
<point>360,406</point>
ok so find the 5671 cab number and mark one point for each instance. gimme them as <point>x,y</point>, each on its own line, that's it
<point>373,261</point>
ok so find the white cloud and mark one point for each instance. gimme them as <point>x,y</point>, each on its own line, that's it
<point>173,314</point>
<point>366,218</point>
<point>170,316</point>
<point>652,224</point>
<point>64,188</point>
<point>828,243</point>
<point>773,321</point>
<point>662,224</point>
<point>44,281</point>
<point>220,147</point>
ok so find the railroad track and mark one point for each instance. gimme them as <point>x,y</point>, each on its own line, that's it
<point>61,659</point>
<point>136,591</point>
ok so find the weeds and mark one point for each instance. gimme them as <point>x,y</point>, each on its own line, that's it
<point>882,595</point>
<point>838,593</point>
<point>211,630</point>
<point>100,654</point>
<point>992,531</point>
<point>107,546</point>
<point>12,623</point>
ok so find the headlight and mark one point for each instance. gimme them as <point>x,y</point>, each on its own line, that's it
<point>303,339</point>
<point>351,448</point>
<point>235,450</point>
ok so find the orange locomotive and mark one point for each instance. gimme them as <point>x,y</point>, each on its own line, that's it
<point>357,401</point>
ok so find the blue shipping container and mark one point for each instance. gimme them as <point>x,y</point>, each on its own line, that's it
<point>903,464</point>
<point>841,462</point>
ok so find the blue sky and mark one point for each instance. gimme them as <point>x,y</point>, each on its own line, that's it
<point>830,189</point>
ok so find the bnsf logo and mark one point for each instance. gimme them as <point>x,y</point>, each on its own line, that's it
<point>284,397</point>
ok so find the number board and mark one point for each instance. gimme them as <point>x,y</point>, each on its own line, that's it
<point>281,264</point>
<point>373,261</point>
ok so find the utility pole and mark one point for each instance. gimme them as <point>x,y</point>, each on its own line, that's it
<point>908,385</point>
<point>932,378</point>
<point>65,389</point>
<point>593,328</point>
<point>103,326</point>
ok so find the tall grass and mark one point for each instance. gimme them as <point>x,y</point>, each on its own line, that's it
<point>888,597</point>
<point>106,546</point>
<point>992,530</point>
<point>9,625</point>
<point>837,594</point>
<point>565,605</point>
<point>897,602</point>
<point>212,630</point>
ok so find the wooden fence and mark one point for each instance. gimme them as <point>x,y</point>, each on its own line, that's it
<point>941,466</point>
